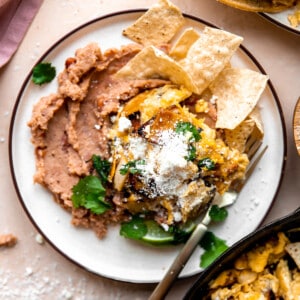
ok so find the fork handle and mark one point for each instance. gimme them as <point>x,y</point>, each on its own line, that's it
<point>163,287</point>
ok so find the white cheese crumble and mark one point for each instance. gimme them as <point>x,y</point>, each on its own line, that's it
<point>124,124</point>
<point>165,165</point>
<point>138,147</point>
<point>177,216</point>
<point>164,226</point>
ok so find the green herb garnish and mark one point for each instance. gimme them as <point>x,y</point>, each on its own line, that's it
<point>90,193</point>
<point>182,232</point>
<point>188,128</point>
<point>213,247</point>
<point>134,229</point>
<point>218,214</point>
<point>132,167</point>
<point>191,153</point>
<point>102,167</point>
<point>206,163</point>
<point>43,73</point>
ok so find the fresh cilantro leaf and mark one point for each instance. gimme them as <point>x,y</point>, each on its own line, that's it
<point>43,73</point>
<point>102,166</point>
<point>213,247</point>
<point>134,229</point>
<point>182,232</point>
<point>90,193</point>
<point>207,163</point>
<point>132,167</point>
<point>188,128</point>
<point>217,213</point>
<point>191,153</point>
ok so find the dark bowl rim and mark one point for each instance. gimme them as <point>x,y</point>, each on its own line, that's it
<point>290,221</point>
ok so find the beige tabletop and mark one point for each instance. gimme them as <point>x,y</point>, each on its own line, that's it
<point>31,270</point>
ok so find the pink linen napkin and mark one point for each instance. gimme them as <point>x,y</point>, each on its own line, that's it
<point>15,18</point>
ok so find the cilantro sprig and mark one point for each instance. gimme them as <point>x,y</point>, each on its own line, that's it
<point>132,167</point>
<point>90,193</point>
<point>207,163</point>
<point>188,128</point>
<point>102,167</point>
<point>191,153</point>
<point>213,247</point>
<point>134,229</point>
<point>218,214</point>
<point>43,72</point>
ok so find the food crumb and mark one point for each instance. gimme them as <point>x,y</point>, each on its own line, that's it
<point>67,294</point>
<point>8,240</point>
<point>39,239</point>
<point>29,271</point>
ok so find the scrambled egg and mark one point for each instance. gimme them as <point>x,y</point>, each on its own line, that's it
<point>262,273</point>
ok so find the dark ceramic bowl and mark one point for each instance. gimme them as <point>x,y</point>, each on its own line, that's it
<point>225,261</point>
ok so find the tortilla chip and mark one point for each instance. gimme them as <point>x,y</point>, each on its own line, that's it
<point>293,250</point>
<point>237,137</point>
<point>150,102</point>
<point>208,56</point>
<point>157,26</point>
<point>183,44</point>
<point>237,92</point>
<point>154,63</point>
<point>256,117</point>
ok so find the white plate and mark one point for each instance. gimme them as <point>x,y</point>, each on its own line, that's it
<point>281,19</point>
<point>116,257</point>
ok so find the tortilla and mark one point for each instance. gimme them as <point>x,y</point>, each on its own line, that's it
<point>256,117</point>
<point>208,56</point>
<point>154,63</point>
<point>237,92</point>
<point>157,26</point>
<point>238,137</point>
<point>183,43</point>
<point>293,250</point>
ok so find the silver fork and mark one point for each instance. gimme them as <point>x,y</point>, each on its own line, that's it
<point>163,287</point>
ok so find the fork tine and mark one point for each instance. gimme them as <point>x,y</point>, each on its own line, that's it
<point>253,148</point>
<point>253,163</point>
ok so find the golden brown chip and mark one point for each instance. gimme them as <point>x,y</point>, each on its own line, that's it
<point>154,63</point>
<point>208,56</point>
<point>237,92</point>
<point>238,137</point>
<point>150,102</point>
<point>157,26</point>
<point>183,44</point>
<point>256,117</point>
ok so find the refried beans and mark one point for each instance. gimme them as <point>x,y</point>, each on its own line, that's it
<point>70,126</point>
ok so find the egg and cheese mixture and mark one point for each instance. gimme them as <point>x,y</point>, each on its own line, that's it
<point>167,160</point>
